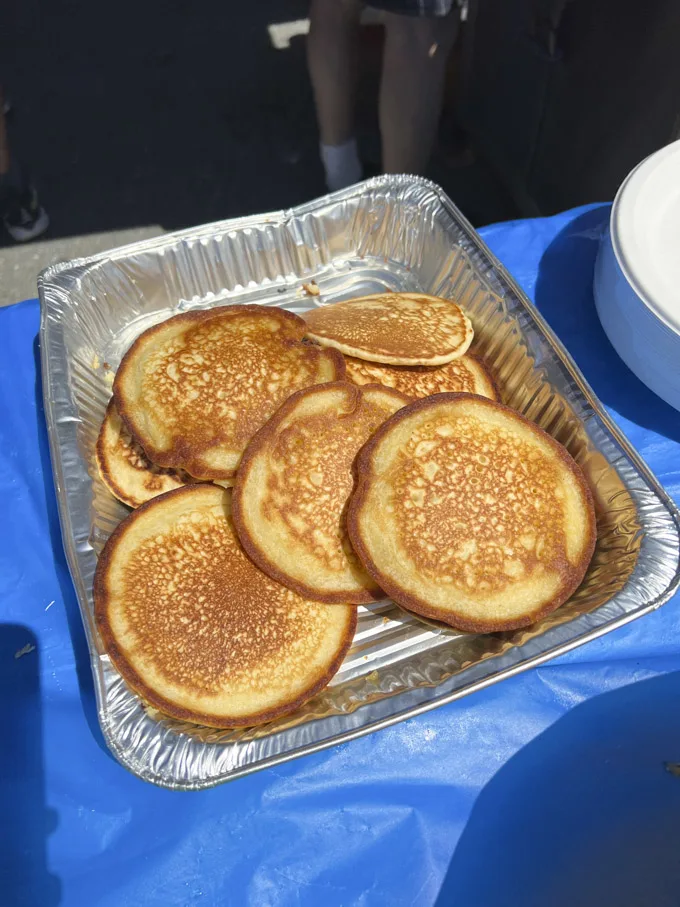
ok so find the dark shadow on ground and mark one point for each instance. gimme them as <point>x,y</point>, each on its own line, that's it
<point>27,821</point>
<point>565,298</point>
<point>586,815</point>
<point>163,112</point>
<point>173,113</point>
<point>81,651</point>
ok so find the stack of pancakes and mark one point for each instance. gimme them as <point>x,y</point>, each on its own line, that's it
<point>369,455</point>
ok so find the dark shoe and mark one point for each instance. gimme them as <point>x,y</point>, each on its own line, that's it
<point>22,215</point>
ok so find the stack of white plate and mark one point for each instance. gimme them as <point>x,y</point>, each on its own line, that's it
<point>637,274</point>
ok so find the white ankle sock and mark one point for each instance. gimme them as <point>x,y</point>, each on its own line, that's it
<point>342,164</point>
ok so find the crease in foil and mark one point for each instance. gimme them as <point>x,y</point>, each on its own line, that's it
<point>396,233</point>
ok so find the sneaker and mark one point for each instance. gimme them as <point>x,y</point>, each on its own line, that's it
<point>22,214</point>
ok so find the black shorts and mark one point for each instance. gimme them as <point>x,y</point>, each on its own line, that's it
<point>426,8</point>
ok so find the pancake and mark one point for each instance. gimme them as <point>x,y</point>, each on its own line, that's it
<point>468,513</point>
<point>124,467</point>
<point>395,328</point>
<point>197,630</point>
<point>465,375</point>
<point>194,389</point>
<point>291,491</point>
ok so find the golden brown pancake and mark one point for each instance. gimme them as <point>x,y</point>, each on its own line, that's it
<point>124,467</point>
<point>197,630</point>
<point>468,513</point>
<point>395,328</point>
<point>465,375</point>
<point>292,488</point>
<point>194,389</point>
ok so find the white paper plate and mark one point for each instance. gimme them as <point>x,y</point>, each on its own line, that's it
<point>637,274</point>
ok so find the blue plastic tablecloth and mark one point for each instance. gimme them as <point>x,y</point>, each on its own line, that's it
<point>548,789</point>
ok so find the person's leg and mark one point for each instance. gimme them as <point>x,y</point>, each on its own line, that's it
<point>412,87</point>
<point>332,48</point>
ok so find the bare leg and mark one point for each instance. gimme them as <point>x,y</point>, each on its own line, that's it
<point>332,48</point>
<point>332,55</point>
<point>411,91</point>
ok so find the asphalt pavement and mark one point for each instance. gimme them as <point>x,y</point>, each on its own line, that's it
<point>143,117</point>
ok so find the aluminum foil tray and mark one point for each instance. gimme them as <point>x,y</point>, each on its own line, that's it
<point>395,233</point>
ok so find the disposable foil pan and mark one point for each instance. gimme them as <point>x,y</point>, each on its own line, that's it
<point>395,233</point>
